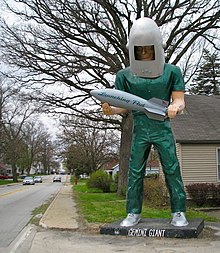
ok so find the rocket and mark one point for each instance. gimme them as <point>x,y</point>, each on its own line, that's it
<point>154,108</point>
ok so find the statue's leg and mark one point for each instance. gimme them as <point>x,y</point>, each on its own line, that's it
<point>139,154</point>
<point>171,168</point>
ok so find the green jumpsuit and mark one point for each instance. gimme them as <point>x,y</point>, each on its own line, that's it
<point>147,132</point>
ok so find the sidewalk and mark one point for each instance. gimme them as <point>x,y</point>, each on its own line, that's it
<point>62,211</point>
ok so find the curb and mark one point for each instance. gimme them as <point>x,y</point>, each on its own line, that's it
<point>41,223</point>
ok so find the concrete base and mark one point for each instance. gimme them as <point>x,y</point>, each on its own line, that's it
<point>155,228</point>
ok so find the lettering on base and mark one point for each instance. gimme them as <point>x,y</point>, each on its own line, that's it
<point>146,232</point>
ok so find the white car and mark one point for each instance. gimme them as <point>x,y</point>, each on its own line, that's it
<point>57,179</point>
<point>28,180</point>
<point>38,179</point>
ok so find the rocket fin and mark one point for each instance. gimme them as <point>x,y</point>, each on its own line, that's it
<point>158,101</point>
<point>155,116</point>
<point>159,113</point>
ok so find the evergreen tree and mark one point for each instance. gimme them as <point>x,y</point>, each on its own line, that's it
<point>207,80</point>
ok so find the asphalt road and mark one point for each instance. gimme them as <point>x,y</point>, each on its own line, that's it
<point>17,203</point>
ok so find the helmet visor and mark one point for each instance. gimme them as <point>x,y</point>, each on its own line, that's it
<point>144,53</point>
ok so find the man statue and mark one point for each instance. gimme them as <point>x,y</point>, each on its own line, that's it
<point>149,76</point>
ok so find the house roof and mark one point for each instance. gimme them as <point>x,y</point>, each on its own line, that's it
<point>3,166</point>
<point>110,164</point>
<point>153,163</point>
<point>200,122</point>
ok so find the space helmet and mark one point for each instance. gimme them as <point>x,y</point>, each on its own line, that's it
<point>145,36</point>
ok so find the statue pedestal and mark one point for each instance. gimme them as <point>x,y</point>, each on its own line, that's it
<point>155,228</point>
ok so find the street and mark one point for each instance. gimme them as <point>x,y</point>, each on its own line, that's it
<point>17,203</point>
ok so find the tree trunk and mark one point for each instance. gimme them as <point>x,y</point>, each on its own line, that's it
<point>125,148</point>
<point>14,172</point>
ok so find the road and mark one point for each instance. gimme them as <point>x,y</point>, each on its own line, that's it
<point>17,203</point>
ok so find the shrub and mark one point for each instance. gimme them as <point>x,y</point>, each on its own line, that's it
<point>116,178</point>
<point>214,194</point>
<point>101,180</point>
<point>201,193</point>
<point>114,184</point>
<point>113,187</point>
<point>155,191</point>
<point>217,195</point>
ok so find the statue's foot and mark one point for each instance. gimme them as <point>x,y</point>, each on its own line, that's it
<point>179,219</point>
<point>131,220</point>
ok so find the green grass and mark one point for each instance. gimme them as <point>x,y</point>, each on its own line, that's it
<point>38,212</point>
<point>97,207</point>
<point>6,181</point>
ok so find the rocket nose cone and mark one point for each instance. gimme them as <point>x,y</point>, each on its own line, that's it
<point>95,93</point>
<point>92,92</point>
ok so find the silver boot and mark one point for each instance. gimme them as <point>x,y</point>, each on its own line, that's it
<point>131,220</point>
<point>179,219</point>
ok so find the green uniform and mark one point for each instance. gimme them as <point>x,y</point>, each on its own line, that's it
<point>147,132</point>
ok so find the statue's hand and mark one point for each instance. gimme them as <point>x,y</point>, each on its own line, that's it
<point>106,108</point>
<point>173,110</point>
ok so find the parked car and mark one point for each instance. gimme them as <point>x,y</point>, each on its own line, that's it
<point>38,179</point>
<point>152,171</point>
<point>3,177</point>
<point>23,176</point>
<point>28,180</point>
<point>83,176</point>
<point>57,179</point>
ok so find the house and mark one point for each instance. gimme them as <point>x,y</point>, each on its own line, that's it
<point>115,170</point>
<point>152,168</point>
<point>111,167</point>
<point>197,134</point>
<point>5,169</point>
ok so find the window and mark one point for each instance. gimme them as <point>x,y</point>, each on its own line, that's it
<point>218,163</point>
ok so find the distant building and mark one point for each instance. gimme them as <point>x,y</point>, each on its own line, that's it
<point>108,167</point>
<point>5,170</point>
<point>152,168</point>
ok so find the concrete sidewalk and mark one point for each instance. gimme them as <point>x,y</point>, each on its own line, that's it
<point>62,212</point>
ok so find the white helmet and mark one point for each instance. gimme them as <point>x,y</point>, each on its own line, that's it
<point>146,34</point>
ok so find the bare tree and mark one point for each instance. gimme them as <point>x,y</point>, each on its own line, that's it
<point>48,155</point>
<point>38,147</point>
<point>14,115</point>
<point>87,146</point>
<point>13,121</point>
<point>80,45</point>
<point>8,92</point>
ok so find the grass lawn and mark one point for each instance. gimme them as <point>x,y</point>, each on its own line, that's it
<point>6,181</point>
<point>98,207</point>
